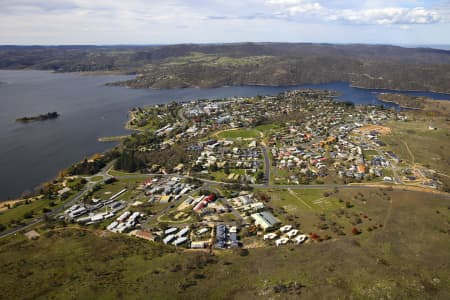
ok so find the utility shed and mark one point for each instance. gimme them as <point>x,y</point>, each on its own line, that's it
<point>168,238</point>
<point>265,219</point>
<point>179,241</point>
<point>183,231</point>
<point>198,245</point>
<point>170,230</point>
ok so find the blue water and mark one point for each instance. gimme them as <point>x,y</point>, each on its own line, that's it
<point>369,96</point>
<point>33,153</point>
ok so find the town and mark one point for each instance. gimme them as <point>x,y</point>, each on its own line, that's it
<point>239,158</point>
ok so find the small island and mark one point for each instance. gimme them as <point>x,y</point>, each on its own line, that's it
<point>43,117</point>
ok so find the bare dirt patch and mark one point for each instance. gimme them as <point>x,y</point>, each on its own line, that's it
<point>381,129</point>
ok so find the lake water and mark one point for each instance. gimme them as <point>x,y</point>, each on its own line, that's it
<point>34,153</point>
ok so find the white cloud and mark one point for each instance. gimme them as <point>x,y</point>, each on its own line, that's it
<point>305,8</point>
<point>388,15</point>
<point>295,7</point>
<point>368,14</point>
<point>171,21</point>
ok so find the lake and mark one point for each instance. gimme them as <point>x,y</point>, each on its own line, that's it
<point>34,153</point>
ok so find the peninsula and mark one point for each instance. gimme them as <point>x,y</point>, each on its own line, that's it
<point>417,102</point>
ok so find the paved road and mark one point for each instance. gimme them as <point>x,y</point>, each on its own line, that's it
<point>276,186</point>
<point>266,164</point>
<point>312,186</point>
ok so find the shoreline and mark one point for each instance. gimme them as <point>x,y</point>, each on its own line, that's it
<point>127,126</point>
<point>402,107</point>
<point>399,90</point>
<point>123,73</point>
<point>279,86</point>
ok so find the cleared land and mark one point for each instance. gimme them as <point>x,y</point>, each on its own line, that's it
<point>414,142</point>
<point>407,258</point>
<point>239,133</point>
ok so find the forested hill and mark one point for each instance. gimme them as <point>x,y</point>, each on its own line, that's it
<point>212,65</point>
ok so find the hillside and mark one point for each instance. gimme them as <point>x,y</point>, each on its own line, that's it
<point>213,65</point>
<point>406,258</point>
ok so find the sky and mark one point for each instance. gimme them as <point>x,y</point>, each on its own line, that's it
<point>106,22</point>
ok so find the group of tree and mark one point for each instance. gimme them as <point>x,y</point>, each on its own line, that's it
<point>137,140</point>
<point>129,161</point>
<point>93,166</point>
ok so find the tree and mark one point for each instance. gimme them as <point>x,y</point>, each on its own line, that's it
<point>226,170</point>
<point>243,252</point>
<point>260,176</point>
<point>28,215</point>
<point>213,168</point>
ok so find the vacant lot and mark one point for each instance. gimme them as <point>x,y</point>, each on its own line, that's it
<point>108,190</point>
<point>331,214</point>
<point>414,142</point>
<point>239,133</point>
<point>311,200</point>
<point>409,257</point>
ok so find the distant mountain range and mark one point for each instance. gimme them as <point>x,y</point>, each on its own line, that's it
<point>213,65</point>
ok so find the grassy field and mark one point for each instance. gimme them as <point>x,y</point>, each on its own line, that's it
<point>113,172</point>
<point>312,200</point>
<point>96,178</point>
<point>18,213</point>
<point>239,133</point>
<point>25,213</point>
<point>267,128</point>
<point>333,214</point>
<point>280,174</point>
<point>428,148</point>
<point>108,190</point>
<point>408,258</point>
<point>369,154</point>
<point>221,176</point>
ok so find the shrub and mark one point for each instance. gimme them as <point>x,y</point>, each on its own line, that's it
<point>28,215</point>
<point>314,236</point>
<point>355,231</point>
<point>110,180</point>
